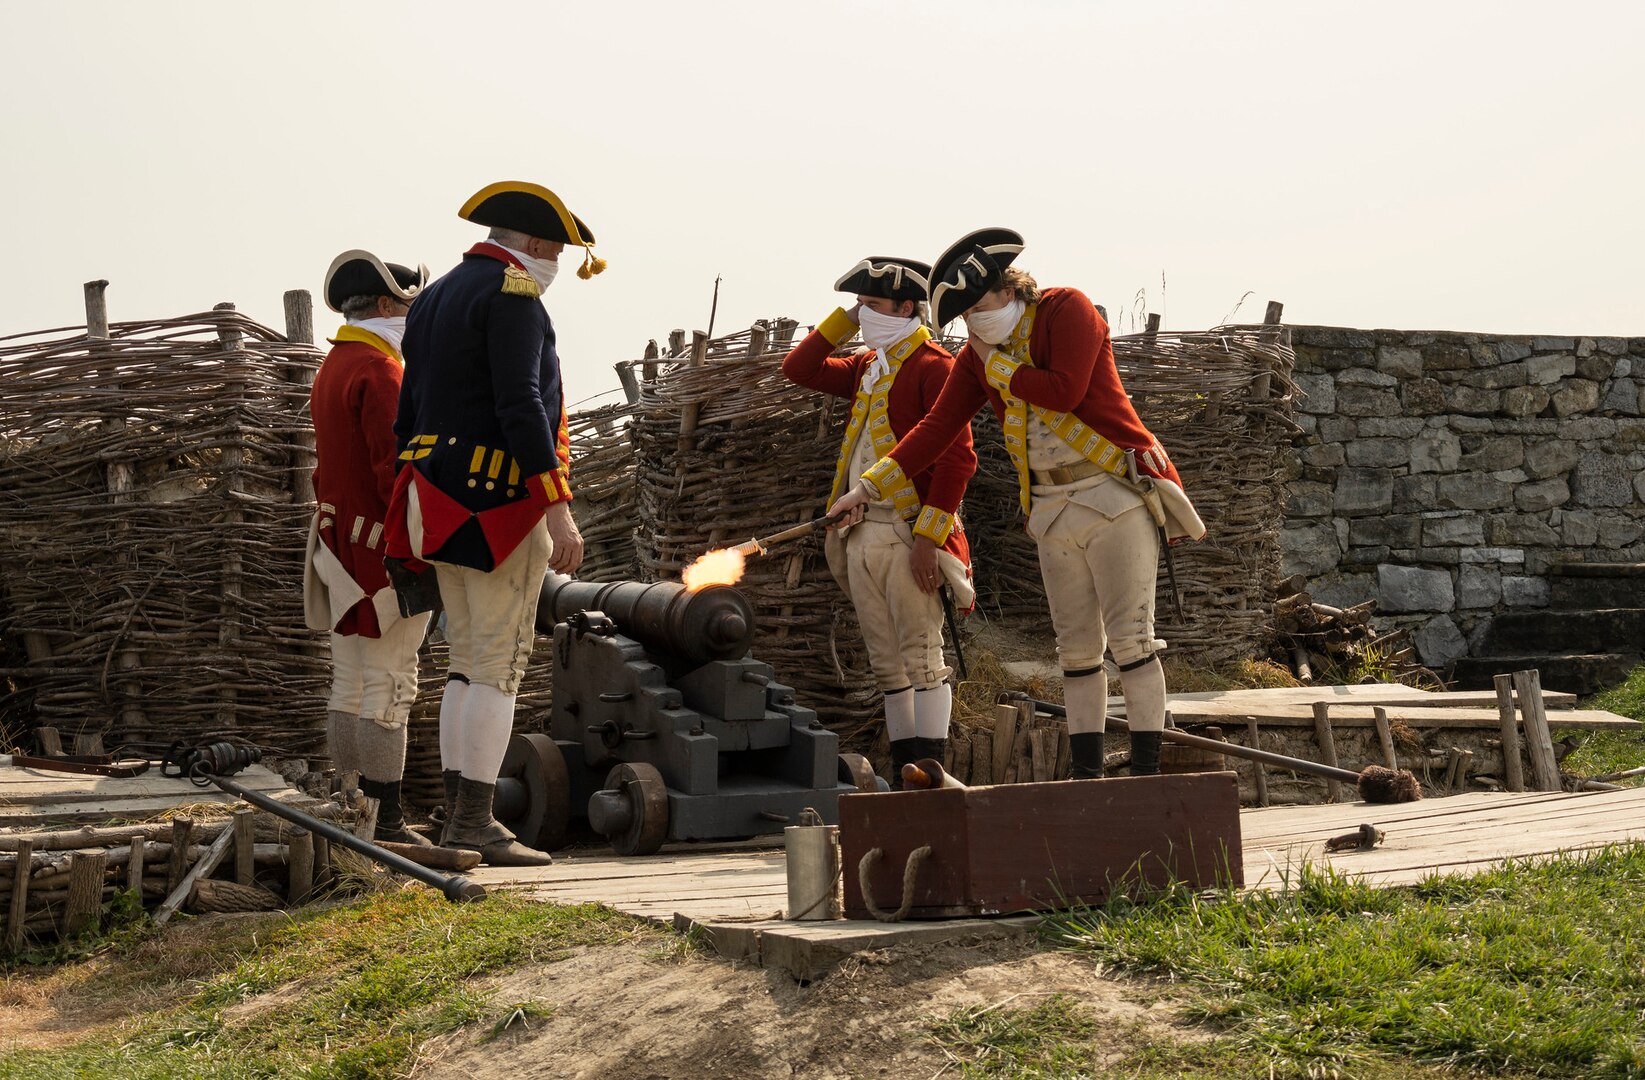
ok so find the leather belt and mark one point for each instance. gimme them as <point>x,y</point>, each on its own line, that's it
<point>1067,474</point>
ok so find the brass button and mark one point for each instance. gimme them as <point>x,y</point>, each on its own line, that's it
<point>452,441</point>
<point>471,483</point>
<point>491,485</point>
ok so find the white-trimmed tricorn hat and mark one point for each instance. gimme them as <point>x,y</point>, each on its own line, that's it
<point>894,279</point>
<point>360,273</point>
<point>969,270</point>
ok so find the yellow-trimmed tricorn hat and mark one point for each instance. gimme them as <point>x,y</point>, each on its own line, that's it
<point>360,273</point>
<point>536,211</point>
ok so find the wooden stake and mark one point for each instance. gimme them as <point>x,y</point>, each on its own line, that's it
<point>1513,764</point>
<point>19,897</point>
<point>322,859</point>
<point>1065,754</point>
<point>1271,317</point>
<point>1385,735</point>
<point>300,857</point>
<point>1042,749</point>
<point>1544,766</point>
<point>631,387</point>
<point>1327,747</point>
<point>180,830</point>
<point>1257,768</point>
<point>84,905</point>
<point>208,862</point>
<point>982,759</point>
<point>300,330</point>
<point>245,853</point>
<point>135,864</point>
<point>1005,737</point>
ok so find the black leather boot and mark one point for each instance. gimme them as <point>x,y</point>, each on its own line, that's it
<point>1085,751</point>
<point>1145,753</point>
<point>391,822</point>
<point>450,777</point>
<point>903,752</point>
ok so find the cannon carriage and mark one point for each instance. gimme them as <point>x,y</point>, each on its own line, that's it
<point>664,727</point>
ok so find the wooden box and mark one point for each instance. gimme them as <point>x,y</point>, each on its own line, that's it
<point>1034,847</point>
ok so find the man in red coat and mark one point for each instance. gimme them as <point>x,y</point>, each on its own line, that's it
<point>1096,486</point>
<point>908,543</point>
<point>346,591</point>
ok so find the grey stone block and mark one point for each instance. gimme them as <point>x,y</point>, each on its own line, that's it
<point>1505,556</point>
<point>1324,456</point>
<point>1318,394</point>
<point>1365,377</point>
<point>1639,486</point>
<point>1395,530</point>
<point>1438,453</point>
<point>1473,491</point>
<point>1576,396</point>
<point>1379,453</point>
<point>1413,494</point>
<point>1343,590</point>
<point>1550,369</point>
<point>1524,401</point>
<point>1412,588</point>
<point>1595,368</point>
<point>1553,344</point>
<point>1582,429</point>
<point>1551,458</point>
<point>1499,377</point>
<point>1472,425</point>
<point>1579,528</point>
<point>1423,397</point>
<point>1612,346</point>
<point>1493,455</point>
<point>1585,347</point>
<point>1403,363</point>
<point>1364,491</point>
<point>1478,587</point>
<point>1438,641</point>
<point>1599,480</point>
<point>1452,530</point>
<point>1338,429</point>
<point>1622,396</point>
<point>1511,349</point>
<point>1366,401</point>
<point>1391,427</point>
<point>1542,495</point>
<point>1310,550</point>
<point>1472,401</point>
<point>1448,356</point>
<point>1308,499</point>
<point>1618,533</point>
<point>1524,591</point>
<point>1520,530</point>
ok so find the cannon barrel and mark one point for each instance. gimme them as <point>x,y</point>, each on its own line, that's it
<point>712,623</point>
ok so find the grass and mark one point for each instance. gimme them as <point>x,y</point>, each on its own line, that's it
<point>1537,968</point>
<point>1605,752</point>
<point>348,992</point>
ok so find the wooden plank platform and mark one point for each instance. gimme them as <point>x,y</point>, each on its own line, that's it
<point>735,893</point>
<point>34,797</point>
<point>1362,715</point>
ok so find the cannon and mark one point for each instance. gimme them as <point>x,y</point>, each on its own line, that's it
<point>664,728</point>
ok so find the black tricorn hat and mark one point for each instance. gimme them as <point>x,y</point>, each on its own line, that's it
<point>894,279</point>
<point>528,208</point>
<point>969,270</point>
<point>360,273</point>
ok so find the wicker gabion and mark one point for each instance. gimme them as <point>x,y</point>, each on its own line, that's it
<point>1220,403</point>
<point>152,528</point>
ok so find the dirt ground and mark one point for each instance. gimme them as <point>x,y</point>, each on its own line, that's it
<point>644,1014</point>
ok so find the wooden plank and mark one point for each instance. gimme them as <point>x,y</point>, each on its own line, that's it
<point>208,862</point>
<point>1327,747</point>
<point>300,873</point>
<point>1005,738</point>
<point>180,830</point>
<point>245,866</point>
<point>22,783</point>
<point>135,864</point>
<point>1363,715</point>
<point>1513,767</point>
<point>1389,694</point>
<point>1544,766</point>
<point>1385,736</point>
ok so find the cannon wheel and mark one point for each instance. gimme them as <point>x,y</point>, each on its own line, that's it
<point>534,761</point>
<point>855,769</point>
<point>647,797</point>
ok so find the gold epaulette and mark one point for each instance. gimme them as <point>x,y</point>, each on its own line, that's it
<point>517,282</point>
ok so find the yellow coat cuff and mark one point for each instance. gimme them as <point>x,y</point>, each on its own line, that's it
<point>934,525</point>
<point>885,475</point>
<point>555,485</point>
<point>837,328</point>
<point>998,369</point>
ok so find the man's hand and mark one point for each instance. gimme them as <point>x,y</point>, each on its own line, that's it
<point>853,504</point>
<point>923,560</point>
<point>568,542</point>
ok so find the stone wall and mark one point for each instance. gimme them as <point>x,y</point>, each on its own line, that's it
<point>1443,474</point>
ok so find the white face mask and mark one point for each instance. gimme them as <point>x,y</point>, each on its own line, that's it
<point>880,332</point>
<point>541,269</point>
<point>995,326</point>
<point>391,329</point>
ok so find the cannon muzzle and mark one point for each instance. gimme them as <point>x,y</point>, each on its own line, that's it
<point>712,623</point>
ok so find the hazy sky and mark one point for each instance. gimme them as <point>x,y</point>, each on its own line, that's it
<point>1433,165</point>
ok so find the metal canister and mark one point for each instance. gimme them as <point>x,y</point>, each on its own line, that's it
<point>813,857</point>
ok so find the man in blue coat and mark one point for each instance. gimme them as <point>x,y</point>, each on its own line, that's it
<point>484,492</point>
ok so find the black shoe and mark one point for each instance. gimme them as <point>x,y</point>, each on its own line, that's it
<point>1145,753</point>
<point>904,752</point>
<point>1085,750</point>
